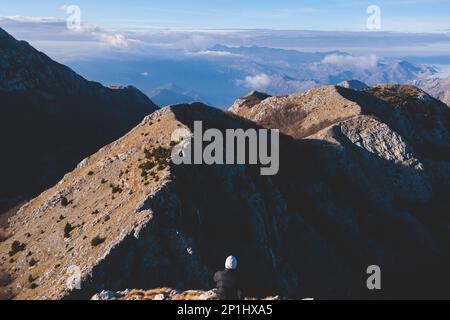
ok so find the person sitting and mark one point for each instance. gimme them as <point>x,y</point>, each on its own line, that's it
<point>227,283</point>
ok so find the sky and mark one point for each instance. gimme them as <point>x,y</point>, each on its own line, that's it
<point>336,15</point>
<point>155,27</point>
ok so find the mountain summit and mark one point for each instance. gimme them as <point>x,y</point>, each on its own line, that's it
<point>51,118</point>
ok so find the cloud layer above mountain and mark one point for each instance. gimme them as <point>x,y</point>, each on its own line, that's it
<point>51,35</point>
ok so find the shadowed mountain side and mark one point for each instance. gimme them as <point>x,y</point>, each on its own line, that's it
<point>51,118</point>
<point>334,206</point>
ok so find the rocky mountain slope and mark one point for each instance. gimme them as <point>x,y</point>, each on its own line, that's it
<point>51,118</point>
<point>437,87</point>
<point>364,179</point>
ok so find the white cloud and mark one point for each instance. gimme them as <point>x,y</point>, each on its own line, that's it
<point>350,62</point>
<point>25,19</point>
<point>116,40</point>
<point>52,36</point>
<point>65,7</point>
<point>259,81</point>
<point>212,53</point>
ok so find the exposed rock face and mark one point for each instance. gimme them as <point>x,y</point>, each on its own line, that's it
<point>51,118</point>
<point>364,179</point>
<point>249,100</point>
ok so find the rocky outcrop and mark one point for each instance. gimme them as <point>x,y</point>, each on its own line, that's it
<point>51,118</point>
<point>156,294</point>
<point>249,100</point>
<point>364,179</point>
<point>165,294</point>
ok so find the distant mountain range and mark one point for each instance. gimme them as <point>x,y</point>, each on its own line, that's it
<point>437,87</point>
<point>221,74</point>
<point>170,94</point>
<point>51,118</point>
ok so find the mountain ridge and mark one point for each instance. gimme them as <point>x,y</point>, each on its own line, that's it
<point>55,115</point>
<point>356,187</point>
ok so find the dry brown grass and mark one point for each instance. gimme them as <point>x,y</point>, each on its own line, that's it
<point>146,295</point>
<point>188,295</point>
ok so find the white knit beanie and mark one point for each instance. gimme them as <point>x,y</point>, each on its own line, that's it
<point>231,263</point>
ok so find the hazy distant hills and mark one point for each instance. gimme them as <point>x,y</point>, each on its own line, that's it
<point>437,87</point>
<point>51,118</point>
<point>169,94</point>
<point>221,74</point>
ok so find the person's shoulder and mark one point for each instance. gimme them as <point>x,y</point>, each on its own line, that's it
<point>218,274</point>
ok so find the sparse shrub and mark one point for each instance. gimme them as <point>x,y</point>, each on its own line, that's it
<point>103,181</point>
<point>16,247</point>
<point>31,279</point>
<point>32,262</point>
<point>64,202</point>
<point>116,189</point>
<point>68,230</point>
<point>33,286</point>
<point>146,166</point>
<point>161,154</point>
<point>90,173</point>
<point>95,212</point>
<point>107,218</point>
<point>97,241</point>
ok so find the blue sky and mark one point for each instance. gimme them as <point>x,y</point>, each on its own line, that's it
<point>337,15</point>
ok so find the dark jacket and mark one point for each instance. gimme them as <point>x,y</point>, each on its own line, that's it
<point>227,285</point>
